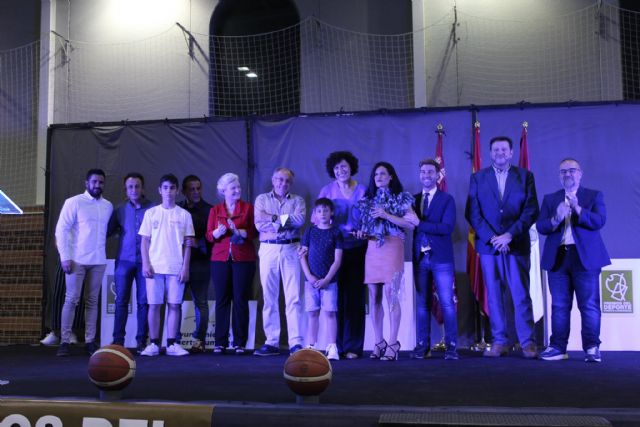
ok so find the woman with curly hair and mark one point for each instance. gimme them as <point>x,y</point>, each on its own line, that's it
<point>344,192</point>
<point>385,214</point>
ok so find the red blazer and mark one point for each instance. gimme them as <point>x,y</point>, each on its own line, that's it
<point>242,217</point>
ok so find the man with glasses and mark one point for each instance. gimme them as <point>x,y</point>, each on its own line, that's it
<point>573,256</point>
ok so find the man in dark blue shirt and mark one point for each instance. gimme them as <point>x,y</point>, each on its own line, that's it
<point>199,275</point>
<point>125,221</point>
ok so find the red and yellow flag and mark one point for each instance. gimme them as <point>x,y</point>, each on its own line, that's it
<point>473,259</point>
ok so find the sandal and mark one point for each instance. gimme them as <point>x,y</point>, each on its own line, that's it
<point>378,350</point>
<point>391,352</point>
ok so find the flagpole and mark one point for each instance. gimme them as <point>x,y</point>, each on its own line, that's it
<point>473,262</point>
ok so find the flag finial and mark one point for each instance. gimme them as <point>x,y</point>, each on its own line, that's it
<point>476,124</point>
<point>525,124</point>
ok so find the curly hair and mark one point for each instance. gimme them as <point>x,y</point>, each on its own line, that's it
<point>338,156</point>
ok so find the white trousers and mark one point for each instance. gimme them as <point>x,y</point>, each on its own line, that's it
<point>278,261</point>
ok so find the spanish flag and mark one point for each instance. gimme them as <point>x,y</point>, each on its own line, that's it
<point>473,259</point>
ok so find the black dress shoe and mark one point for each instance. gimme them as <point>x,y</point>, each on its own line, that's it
<point>63,350</point>
<point>91,347</point>
<point>420,352</point>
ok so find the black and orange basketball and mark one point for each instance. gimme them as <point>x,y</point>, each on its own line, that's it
<point>307,372</point>
<point>112,367</point>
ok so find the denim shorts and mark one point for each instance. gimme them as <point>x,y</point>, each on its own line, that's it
<point>325,298</point>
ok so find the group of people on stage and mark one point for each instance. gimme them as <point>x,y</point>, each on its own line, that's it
<point>356,237</point>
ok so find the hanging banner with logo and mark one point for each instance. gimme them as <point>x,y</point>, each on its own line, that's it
<point>619,288</point>
<point>616,288</point>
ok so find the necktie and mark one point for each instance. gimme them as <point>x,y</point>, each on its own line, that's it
<point>425,247</point>
<point>425,203</point>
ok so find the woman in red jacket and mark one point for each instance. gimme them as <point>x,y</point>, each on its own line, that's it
<point>231,230</point>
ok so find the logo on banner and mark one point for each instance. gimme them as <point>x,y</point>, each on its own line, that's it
<point>617,291</point>
<point>111,296</point>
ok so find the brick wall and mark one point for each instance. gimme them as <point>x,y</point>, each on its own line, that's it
<point>21,279</point>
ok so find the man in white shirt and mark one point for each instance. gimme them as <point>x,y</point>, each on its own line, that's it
<point>81,233</point>
<point>279,215</point>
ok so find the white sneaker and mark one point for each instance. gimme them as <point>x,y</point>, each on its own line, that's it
<point>332,352</point>
<point>73,339</point>
<point>176,349</point>
<point>50,339</point>
<point>150,350</point>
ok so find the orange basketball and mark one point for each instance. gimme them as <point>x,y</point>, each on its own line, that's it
<point>112,367</point>
<point>307,372</point>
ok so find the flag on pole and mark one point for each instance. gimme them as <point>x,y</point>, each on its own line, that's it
<point>535,276</point>
<point>524,148</point>
<point>473,259</point>
<point>442,178</point>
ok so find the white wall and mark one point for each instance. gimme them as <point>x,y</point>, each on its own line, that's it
<point>114,39</point>
<point>111,40</point>
<point>505,52</point>
<point>550,51</point>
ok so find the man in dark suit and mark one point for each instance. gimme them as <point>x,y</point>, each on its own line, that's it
<point>502,207</point>
<point>573,256</point>
<point>433,261</point>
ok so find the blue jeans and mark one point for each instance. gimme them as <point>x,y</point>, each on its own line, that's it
<point>198,284</point>
<point>124,274</point>
<point>568,276</point>
<point>443,276</point>
<point>500,271</point>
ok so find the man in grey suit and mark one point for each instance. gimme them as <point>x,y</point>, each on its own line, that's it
<point>502,207</point>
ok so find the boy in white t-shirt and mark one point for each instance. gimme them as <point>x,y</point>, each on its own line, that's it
<point>166,232</point>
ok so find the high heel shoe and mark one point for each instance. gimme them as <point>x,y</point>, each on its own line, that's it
<point>391,352</point>
<point>378,350</point>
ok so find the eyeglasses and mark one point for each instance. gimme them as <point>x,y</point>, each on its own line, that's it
<point>570,171</point>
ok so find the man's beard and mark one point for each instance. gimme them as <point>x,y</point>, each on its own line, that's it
<point>95,192</point>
